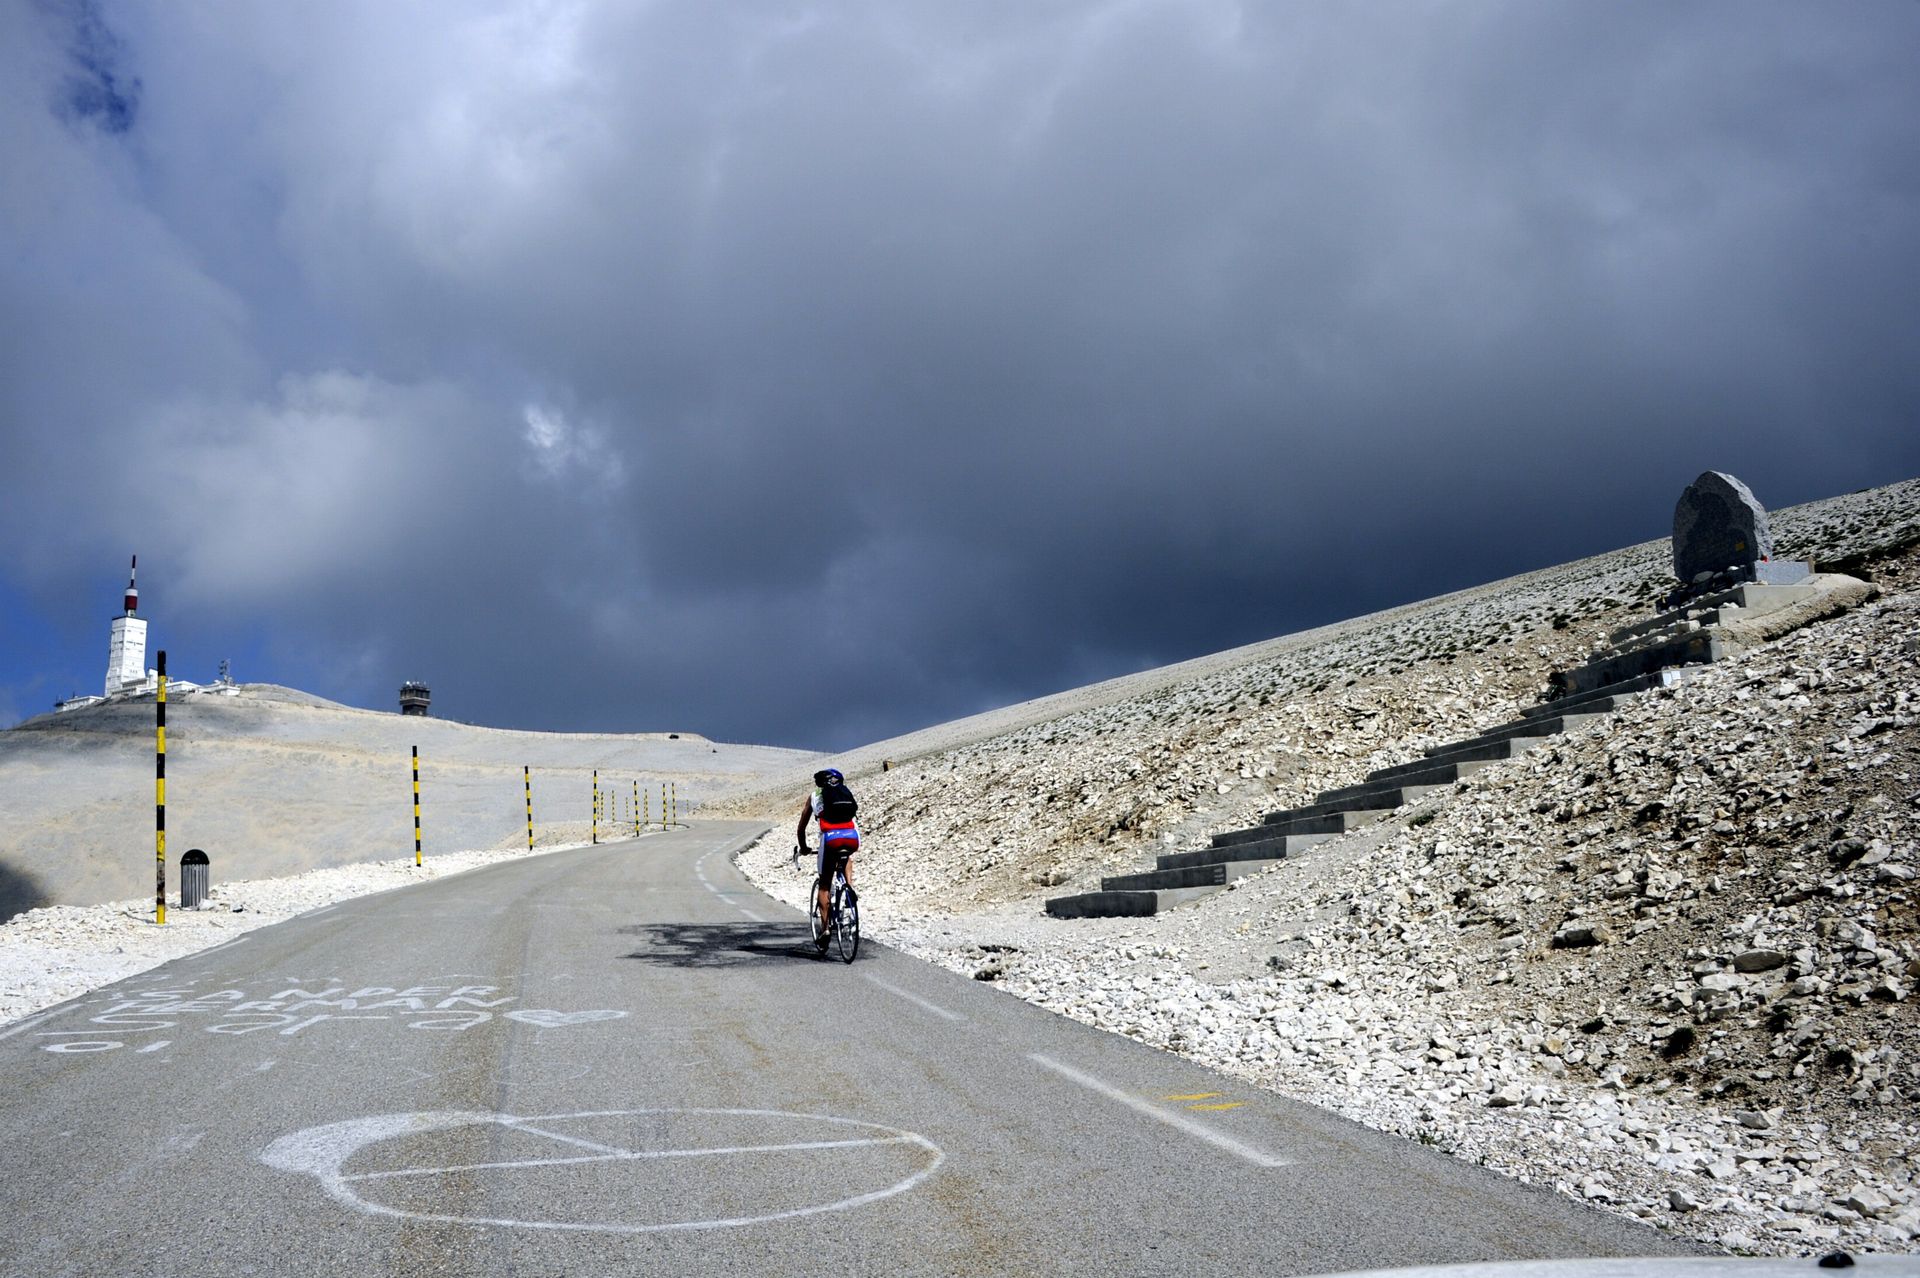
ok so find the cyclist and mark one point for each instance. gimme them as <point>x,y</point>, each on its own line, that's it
<point>833,806</point>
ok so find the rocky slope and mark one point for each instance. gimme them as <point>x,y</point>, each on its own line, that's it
<point>1664,963</point>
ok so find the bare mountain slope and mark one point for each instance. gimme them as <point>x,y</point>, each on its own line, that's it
<point>1095,780</point>
<point>274,781</point>
<point>1666,962</point>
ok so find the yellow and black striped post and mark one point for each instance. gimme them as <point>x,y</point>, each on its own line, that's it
<point>596,805</point>
<point>526,775</point>
<point>646,815</point>
<point>416,805</point>
<point>160,798</point>
<point>663,806</point>
<point>676,803</point>
<point>633,809</point>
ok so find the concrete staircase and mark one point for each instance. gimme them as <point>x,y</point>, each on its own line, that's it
<point>1704,630</point>
<point>1648,654</point>
<point>1179,877</point>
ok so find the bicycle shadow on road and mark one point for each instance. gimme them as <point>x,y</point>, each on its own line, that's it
<point>720,944</point>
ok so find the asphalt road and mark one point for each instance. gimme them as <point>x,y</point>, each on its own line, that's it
<point>625,1059</point>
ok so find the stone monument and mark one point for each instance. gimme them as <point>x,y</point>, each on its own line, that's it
<point>1721,538</point>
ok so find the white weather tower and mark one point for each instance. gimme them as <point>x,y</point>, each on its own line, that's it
<point>127,646</point>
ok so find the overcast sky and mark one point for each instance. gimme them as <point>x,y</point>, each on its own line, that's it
<point>804,373</point>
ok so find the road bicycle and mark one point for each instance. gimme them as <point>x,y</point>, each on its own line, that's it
<point>842,929</point>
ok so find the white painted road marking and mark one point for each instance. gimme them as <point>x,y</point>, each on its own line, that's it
<point>1181,1121</point>
<point>700,872</point>
<point>915,998</point>
<point>231,1011</point>
<point>322,1152</point>
<point>619,1154</point>
<point>21,1026</point>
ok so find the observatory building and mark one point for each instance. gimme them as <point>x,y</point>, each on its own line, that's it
<point>414,698</point>
<point>127,673</point>
<point>127,645</point>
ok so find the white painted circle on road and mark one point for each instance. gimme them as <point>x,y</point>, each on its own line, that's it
<point>626,1171</point>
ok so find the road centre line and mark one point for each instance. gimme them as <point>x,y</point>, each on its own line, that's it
<point>915,998</point>
<point>725,897</point>
<point>1181,1121</point>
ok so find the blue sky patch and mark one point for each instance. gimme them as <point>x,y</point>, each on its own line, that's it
<point>98,89</point>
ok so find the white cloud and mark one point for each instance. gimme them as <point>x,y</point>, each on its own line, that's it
<point>1048,299</point>
<point>547,436</point>
<point>559,449</point>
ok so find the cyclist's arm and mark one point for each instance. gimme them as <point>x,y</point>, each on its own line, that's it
<point>806,815</point>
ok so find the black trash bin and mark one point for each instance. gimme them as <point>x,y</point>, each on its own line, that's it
<point>196,874</point>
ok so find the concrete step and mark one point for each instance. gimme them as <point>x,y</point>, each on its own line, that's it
<point>1094,905</point>
<point>1216,874</point>
<point>1537,726</point>
<point>1464,752</point>
<point>1366,797</point>
<point>1252,834</point>
<point>1612,697</point>
<point>1377,797</point>
<point>1616,694</point>
<point>1435,776</point>
<point>1265,848</point>
<point>1344,821</point>
<point>1750,600</point>
<point>1693,648</point>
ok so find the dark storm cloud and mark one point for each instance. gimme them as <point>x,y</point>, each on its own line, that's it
<point>807,374</point>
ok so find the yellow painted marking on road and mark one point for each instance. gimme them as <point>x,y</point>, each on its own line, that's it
<point>1222,1105</point>
<point>1192,1096</point>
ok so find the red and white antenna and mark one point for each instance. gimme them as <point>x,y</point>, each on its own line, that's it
<point>133,592</point>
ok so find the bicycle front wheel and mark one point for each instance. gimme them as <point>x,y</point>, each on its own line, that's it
<point>847,934</point>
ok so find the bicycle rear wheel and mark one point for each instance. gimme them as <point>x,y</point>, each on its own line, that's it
<point>846,932</point>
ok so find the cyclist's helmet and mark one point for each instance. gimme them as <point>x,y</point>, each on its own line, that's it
<point>828,776</point>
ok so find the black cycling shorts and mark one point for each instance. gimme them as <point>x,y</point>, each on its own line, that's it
<point>828,864</point>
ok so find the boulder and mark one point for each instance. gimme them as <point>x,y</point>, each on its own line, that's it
<point>1575,936</point>
<point>1718,524</point>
